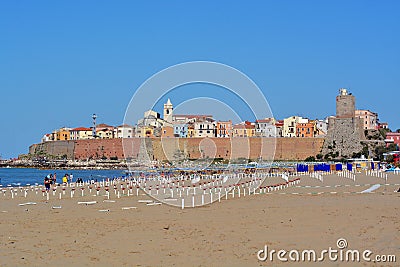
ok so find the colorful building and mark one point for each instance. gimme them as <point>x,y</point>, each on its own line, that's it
<point>104,131</point>
<point>167,132</point>
<point>145,131</point>
<point>307,129</point>
<point>81,133</point>
<point>182,118</point>
<point>180,130</point>
<point>393,138</point>
<point>224,129</point>
<point>245,129</point>
<point>63,134</point>
<point>289,125</point>
<point>369,118</point>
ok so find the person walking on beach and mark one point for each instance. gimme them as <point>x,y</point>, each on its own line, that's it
<point>50,177</point>
<point>47,182</point>
<point>65,180</point>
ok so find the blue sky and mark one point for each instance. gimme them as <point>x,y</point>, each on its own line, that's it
<point>61,61</point>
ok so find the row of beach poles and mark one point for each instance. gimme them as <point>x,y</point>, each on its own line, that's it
<point>226,182</point>
<point>347,174</point>
<point>238,190</point>
<point>317,176</point>
<point>376,173</point>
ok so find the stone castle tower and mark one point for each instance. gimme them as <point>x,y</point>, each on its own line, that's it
<point>345,131</point>
<point>168,111</point>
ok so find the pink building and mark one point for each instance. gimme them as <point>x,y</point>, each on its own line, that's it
<point>393,138</point>
<point>370,119</point>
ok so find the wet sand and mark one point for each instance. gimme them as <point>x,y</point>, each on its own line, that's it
<point>311,215</point>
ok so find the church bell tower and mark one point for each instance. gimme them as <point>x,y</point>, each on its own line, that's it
<point>168,111</point>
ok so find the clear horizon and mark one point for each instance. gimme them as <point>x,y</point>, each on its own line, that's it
<point>63,61</point>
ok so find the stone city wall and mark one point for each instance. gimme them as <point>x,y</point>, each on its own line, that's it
<point>177,148</point>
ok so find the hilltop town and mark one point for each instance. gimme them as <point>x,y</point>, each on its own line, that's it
<point>201,126</point>
<point>350,133</point>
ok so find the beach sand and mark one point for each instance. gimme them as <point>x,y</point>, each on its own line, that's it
<point>229,233</point>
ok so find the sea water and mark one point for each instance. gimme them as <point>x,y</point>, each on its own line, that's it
<point>24,176</point>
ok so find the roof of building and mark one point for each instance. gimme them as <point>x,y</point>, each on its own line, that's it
<point>81,129</point>
<point>103,130</point>
<point>125,126</point>
<point>103,125</point>
<point>243,126</point>
<point>190,116</point>
<point>264,121</point>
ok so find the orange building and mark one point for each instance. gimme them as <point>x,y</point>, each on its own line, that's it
<point>167,132</point>
<point>224,128</point>
<point>63,134</point>
<point>307,129</point>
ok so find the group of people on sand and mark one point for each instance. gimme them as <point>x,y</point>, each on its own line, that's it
<point>51,179</point>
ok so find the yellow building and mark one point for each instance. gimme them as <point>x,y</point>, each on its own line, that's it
<point>145,131</point>
<point>191,131</point>
<point>289,125</point>
<point>63,134</point>
<point>105,133</point>
<point>81,133</point>
<point>246,129</point>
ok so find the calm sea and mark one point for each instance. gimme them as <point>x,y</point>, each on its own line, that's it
<point>18,176</point>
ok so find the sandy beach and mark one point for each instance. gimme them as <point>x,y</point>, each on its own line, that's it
<point>126,232</point>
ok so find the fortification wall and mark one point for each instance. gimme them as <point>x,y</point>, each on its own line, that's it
<point>176,148</point>
<point>344,136</point>
<point>58,149</point>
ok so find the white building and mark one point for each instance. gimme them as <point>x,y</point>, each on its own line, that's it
<point>322,127</point>
<point>151,118</point>
<point>47,138</point>
<point>289,125</point>
<point>266,128</point>
<point>124,131</point>
<point>187,118</point>
<point>205,128</point>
